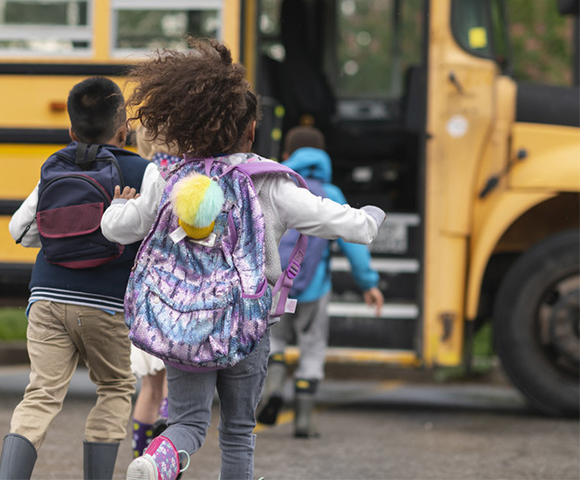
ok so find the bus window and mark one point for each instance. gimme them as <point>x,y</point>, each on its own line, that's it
<point>471,26</point>
<point>371,59</point>
<point>142,26</point>
<point>55,27</point>
<point>480,27</point>
<point>269,28</point>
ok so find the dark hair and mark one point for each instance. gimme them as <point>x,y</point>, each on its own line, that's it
<point>96,109</point>
<point>198,99</point>
<point>303,136</point>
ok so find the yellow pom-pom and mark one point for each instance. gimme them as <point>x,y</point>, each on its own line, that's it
<point>187,196</point>
<point>197,200</point>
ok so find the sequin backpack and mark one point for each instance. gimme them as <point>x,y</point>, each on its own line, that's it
<point>204,304</point>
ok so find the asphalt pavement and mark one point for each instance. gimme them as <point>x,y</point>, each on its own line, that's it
<point>371,428</point>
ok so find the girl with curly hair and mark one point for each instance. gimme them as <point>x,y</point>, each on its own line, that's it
<point>200,101</point>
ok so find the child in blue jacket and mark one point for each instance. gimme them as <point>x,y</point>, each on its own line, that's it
<point>304,153</point>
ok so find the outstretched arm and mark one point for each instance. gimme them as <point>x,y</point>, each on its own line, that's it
<point>359,256</point>
<point>321,217</point>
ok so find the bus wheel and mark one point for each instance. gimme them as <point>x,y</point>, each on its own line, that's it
<point>536,324</point>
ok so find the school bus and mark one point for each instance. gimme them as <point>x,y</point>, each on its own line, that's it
<point>479,173</point>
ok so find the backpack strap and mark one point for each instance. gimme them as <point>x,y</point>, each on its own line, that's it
<point>86,155</point>
<point>285,281</point>
<point>257,168</point>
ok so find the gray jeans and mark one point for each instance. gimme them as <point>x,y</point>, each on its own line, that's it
<point>309,326</point>
<point>191,396</point>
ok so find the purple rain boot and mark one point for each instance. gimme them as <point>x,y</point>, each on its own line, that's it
<point>142,436</point>
<point>163,408</point>
<point>159,462</point>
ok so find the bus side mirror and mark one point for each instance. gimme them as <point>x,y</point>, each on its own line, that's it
<point>569,7</point>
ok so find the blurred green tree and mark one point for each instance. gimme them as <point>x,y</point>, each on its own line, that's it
<point>541,41</point>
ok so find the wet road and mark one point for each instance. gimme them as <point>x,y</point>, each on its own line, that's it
<point>370,429</point>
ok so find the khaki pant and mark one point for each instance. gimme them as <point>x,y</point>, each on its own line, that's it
<point>58,334</point>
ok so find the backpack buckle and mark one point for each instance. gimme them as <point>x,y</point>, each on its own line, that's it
<point>293,269</point>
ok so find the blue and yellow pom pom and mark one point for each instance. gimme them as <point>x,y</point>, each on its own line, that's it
<point>197,200</point>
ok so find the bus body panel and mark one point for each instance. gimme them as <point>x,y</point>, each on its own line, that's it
<point>503,220</point>
<point>15,187</point>
<point>11,252</point>
<point>460,116</point>
<point>45,106</point>
<point>472,138</point>
<point>494,218</point>
<point>17,160</point>
<point>552,157</point>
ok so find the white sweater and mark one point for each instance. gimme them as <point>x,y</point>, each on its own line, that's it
<point>284,205</point>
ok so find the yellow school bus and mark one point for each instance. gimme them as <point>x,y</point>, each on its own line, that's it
<point>479,173</point>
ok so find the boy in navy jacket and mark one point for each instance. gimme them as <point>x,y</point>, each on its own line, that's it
<point>76,313</point>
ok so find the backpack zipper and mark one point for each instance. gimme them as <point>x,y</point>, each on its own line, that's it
<point>111,159</point>
<point>86,178</point>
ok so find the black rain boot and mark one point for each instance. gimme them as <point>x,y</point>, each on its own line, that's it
<point>99,460</point>
<point>18,458</point>
<point>273,390</point>
<point>304,402</point>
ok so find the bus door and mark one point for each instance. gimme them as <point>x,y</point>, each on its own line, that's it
<point>356,69</point>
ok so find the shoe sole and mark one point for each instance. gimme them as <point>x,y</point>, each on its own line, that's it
<point>306,434</point>
<point>142,469</point>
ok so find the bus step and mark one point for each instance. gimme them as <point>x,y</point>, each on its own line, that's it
<point>362,356</point>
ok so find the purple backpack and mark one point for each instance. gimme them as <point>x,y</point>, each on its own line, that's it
<point>314,253</point>
<point>205,304</point>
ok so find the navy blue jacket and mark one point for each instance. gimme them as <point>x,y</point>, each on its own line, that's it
<point>102,286</point>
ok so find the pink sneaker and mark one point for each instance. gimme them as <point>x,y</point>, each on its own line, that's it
<point>159,462</point>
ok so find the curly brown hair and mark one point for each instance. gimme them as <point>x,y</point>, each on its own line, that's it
<point>198,99</point>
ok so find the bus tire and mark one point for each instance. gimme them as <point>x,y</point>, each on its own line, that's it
<point>536,319</point>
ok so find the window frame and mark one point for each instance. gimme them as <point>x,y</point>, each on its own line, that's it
<point>155,5</point>
<point>43,32</point>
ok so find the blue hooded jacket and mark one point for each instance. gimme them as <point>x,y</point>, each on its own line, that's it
<point>315,163</point>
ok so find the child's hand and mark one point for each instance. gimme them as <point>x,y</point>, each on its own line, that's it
<point>127,194</point>
<point>373,296</point>
<point>377,214</point>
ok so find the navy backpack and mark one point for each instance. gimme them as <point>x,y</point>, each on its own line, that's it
<point>76,186</point>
